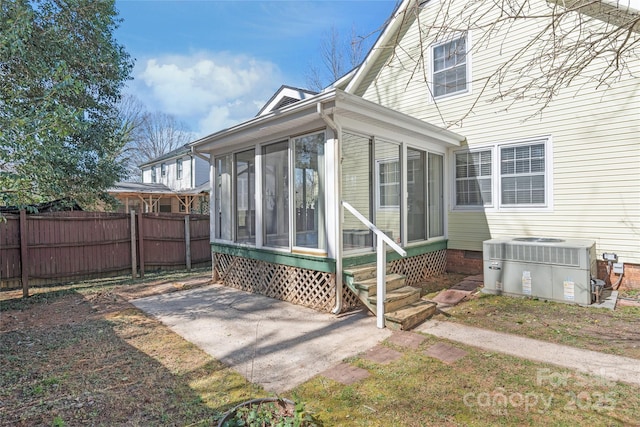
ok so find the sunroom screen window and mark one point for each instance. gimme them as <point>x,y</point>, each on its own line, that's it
<point>309,191</point>
<point>245,192</point>
<point>223,198</point>
<point>416,192</point>
<point>357,185</point>
<point>275,194</point>
<point>436,195</point>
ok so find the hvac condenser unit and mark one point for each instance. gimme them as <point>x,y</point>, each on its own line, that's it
<point>545,268</point>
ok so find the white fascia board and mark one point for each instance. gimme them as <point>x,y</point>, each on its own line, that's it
<point>392,27</point>
<point>392,118</point>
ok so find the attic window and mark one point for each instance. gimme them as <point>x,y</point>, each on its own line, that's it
<point>449,70</point>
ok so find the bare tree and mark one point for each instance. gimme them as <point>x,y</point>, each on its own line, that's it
<point>337,56</point>
<point>131,114</point>
<point>159,134</point>
<point>575,42</point>
<point>149,135</point>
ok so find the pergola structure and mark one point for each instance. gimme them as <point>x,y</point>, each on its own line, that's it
<point>146,197</point>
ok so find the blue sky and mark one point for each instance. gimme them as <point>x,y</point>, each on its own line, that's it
<point>213,64</point>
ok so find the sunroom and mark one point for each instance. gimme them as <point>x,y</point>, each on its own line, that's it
<point>297,191</point>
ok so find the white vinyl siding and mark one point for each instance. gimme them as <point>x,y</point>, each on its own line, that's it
<point>594,181</point>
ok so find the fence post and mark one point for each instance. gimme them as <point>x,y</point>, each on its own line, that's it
<point>134,267</point>
<point>187,241</point>
<point>141,243</point>
<point>24,254</point>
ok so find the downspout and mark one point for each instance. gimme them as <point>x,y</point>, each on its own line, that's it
<point>337,131</point>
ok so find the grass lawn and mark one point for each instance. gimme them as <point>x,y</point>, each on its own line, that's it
<point>80,354</point>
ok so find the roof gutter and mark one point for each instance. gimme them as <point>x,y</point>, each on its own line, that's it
<point>337,131</point>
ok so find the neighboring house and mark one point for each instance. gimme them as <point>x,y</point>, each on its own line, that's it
<point>286,181</point>
<point>179,169</point>
<point>175,182</point>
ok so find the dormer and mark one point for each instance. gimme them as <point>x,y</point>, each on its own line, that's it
<point>286,95</point>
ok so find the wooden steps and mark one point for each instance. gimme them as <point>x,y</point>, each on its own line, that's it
<point>404,309</point>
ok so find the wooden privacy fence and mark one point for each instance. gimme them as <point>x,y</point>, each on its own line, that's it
<point>64,246</point>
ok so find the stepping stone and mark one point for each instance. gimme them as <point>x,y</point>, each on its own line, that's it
<point>467,285</point>
<point>451,297</point>
<point>445,353</point>
<point>346,374</point>
<point>381,354</point>
<point>406,339</point>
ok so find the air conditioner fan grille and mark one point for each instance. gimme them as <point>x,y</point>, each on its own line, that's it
<point>556,255</point>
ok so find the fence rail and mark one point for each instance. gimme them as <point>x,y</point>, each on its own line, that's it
<point>63,246</point>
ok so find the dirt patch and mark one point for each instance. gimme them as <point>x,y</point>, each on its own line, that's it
<point>440,282</point>
<point>83,355</point>
<point>66,310</point>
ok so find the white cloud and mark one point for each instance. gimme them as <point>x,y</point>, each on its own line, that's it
<point>209,91</point>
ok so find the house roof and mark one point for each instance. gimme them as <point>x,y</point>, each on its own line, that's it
<point>178,152</point>
<point>123,188</point>
<point>398,17</point>
<point>139,187</point>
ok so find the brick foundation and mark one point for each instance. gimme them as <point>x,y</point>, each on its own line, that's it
<point>631,279</point>
<point>464,262</point>
<point>470,262</point>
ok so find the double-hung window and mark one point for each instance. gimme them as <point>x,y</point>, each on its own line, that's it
<point>473,178</point>
<point>509,175</point>
<point>389,179</point>
<point>163,169</point>
<point>153,174</point>
<point>179,169</point>
<point>449,67</point>
<point>522,175</point>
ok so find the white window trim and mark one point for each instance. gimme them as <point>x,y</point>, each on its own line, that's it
<point>496,180</point>
<point>469,70</point>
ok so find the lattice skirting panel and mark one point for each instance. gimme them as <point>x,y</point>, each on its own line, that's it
<point>313,289</point>
<point>417,268</point>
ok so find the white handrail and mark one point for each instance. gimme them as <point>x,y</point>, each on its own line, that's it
<point>375,229</point>
<point>381,264</point>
